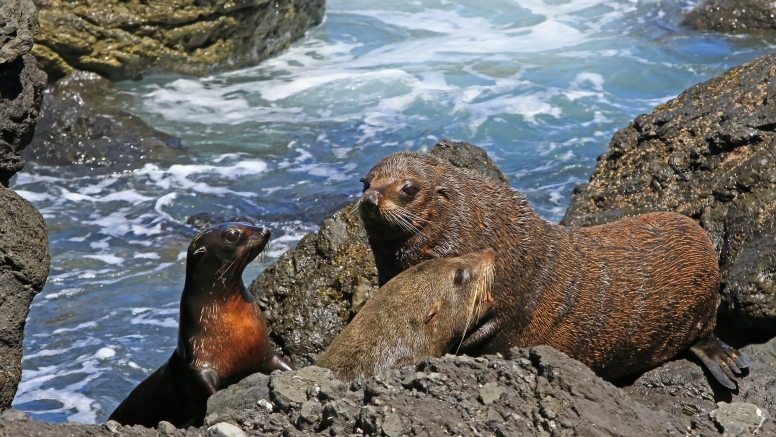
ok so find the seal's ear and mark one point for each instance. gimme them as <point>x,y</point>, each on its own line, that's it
<point>444,191</point>
<point>432,312</point>
<point>195,256</point>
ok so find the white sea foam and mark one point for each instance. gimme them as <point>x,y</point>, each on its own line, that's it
<point>105,353</point>
<point>78,327</point>
<point>156,317</point>
<point>34,197</point>
<point>107,258</point>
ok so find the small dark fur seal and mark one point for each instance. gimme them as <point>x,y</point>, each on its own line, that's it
<point>222,335</point>
<point>424,311</point>
<point>621,297</point>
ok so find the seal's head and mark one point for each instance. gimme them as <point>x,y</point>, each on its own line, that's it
<point>222,251</point>
<point>403,193</point>
<point>428,310</point>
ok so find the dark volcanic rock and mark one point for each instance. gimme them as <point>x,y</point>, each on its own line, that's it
<point>119,39</point>
<point>19,26</point>
<point>764,352</point>
<point>740,16</point>
<point>312,292</point>
<point>708,154</point>
<point>683,388</point>
<point>21,84</point>
<point>539,392</point>
<point>24,256</point>
<point>465,155</point>
<point>29,428</point>
<point>81,123</point>
<point>24,266</point>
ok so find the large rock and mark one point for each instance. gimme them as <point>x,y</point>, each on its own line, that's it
<point>708,154</point>
<point>540,392</point>
<point>737,16</point>
<point>684,389</point>
<point>314,290</point>
<point>82,122</point>
<point>24,256</point>
<point>24,266</point>
<point>19,26</point>
<point>21,84</point>
<point>119,39</point>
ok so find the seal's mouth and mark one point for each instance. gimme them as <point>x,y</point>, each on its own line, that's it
<point>390,221</point>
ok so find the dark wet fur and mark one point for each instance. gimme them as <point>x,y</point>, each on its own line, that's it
<point>210,355</point>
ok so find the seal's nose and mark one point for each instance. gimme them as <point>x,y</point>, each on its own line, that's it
<point>369,200</point>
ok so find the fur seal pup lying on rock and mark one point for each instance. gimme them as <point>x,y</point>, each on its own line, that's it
<point>621,297</point>
<point>222,335</point>
<point>425,311</point>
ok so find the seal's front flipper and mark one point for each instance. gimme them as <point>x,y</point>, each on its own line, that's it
<point>721,360</point>
<point>208,380</point>
<point>275,362</point>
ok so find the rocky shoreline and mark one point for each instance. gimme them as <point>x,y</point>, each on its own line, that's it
<point>708,154</point>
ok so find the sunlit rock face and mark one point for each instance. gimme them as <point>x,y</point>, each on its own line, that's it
<point>120,39</point>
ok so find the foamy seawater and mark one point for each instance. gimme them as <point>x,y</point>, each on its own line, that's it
<point>541,85</point>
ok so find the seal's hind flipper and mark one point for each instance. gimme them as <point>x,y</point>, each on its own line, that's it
<point>722,360</point>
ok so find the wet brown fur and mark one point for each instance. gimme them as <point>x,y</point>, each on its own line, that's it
<point>421,312</point>
<point>222,335</point>
<point>621,297</point>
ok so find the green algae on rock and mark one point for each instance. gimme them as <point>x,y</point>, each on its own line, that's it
<point>120,39</point>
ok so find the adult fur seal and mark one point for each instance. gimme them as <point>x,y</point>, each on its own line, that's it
<point>424,311</point>
<point>621,297</point>
<point>222,336</point>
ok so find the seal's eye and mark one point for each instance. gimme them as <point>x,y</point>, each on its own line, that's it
<point>233,235</point>
<point>458,277</point>
<point>366,183</point>
<point>410,190</point>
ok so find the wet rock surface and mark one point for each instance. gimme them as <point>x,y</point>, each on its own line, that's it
<point>708,154</point>
<point>24,255</point>
<point>314,290</point>
<point>119,39</point>
<point>732,16</point>
<point>82,123</point>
